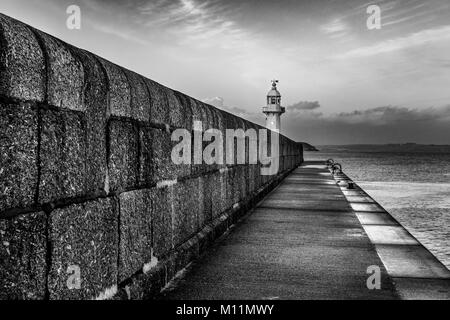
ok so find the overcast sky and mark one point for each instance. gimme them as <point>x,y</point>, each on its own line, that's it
<point>341,82</point>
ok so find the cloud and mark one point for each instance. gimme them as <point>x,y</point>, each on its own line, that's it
<point>124,35</point>
<point>401,20</point>
<point>245,114</point>
<point>385,124</point>
<point>203,23</point>
<point>420,38</point>
<point>303,105</point>
<point>336,28</point>
<point>442,63</point>
<point>303,121</point>
<point>216,102</point>
<point>394,115</point>
<point>251,116</point>
<point>380,125</point>
<point>412,13</point>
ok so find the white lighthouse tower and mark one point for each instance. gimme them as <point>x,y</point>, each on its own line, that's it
<point>274,110</point>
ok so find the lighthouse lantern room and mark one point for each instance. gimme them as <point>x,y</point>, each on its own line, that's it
<point>274,110</point>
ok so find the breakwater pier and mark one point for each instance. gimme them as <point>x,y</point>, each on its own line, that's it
<point>313,237</point>
<point>92,205</point>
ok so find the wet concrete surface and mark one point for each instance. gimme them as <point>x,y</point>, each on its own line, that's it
<point>416,272</point>
<point>303,241</point>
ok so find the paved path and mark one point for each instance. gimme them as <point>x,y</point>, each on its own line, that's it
<point>303,241</point>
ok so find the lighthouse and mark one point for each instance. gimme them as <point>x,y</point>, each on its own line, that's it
<point>274,110</point>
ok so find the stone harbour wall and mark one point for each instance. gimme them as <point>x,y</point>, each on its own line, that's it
<point>91,204</point>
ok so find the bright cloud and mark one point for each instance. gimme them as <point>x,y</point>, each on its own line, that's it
<point>412,40</point>
<point>319,50</point>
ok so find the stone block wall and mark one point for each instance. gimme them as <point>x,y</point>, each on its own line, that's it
<point>91,204</point>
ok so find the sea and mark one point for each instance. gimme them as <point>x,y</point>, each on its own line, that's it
<point>412,182</point>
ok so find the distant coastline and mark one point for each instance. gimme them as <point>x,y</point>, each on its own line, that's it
<point>308,147</point>
<point>393,147</point>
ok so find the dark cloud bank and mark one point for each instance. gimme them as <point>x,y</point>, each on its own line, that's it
<point>303,121</point>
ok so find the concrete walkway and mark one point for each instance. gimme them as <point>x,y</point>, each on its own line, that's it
<point>303,241</point>
<point>415,271</point>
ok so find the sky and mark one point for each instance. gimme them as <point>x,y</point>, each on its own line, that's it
<point>341,82</point>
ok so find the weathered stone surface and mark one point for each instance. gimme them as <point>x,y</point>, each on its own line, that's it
<point>215,118</point>
<point>203,108</point>
<point>209,121</point>
<point>176,110</point>
<point>119,89</point>
<point>229,174</point>
<point>196,108</point>
<point>163,166</point>
<point>221,126</point>
<point>233,187</point>
<point>186,210</point>
<point>135,232</point>
<point>22,67</point>
<point>83,236</point>
<point>198,166</point>
<point>63,155</point>
<point>140,101</point>
<point>226,195</point>
<point>82,153</point>
<point>162,202</point>
<point>229,147</point>
<point>243,183</point>
<point>202,215</point>
<point>123,160</point>
<point>224,203</point>
<point>259,176</point>
<point>18,155</point>
<point>221,119</point>
<point>216,193</point>
<point>238,183</point>
<point>245,126</point>
<point>95,99</point>
<point>253,146</point>
<point>145,156</point>
<point>185,102</point>
<point>251,179</point>
<point>147,285</point>
<point>65,75</point>
<point>170,268</point>
<point>188,114</point>
<point>208,185</point>
<point>23,248</point>
<point>159,109</point>
<point>161,155</point>
<point>186,253</point>
<point>283,145</point>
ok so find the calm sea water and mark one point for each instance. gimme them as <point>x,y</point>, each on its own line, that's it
<point>412,183</point>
